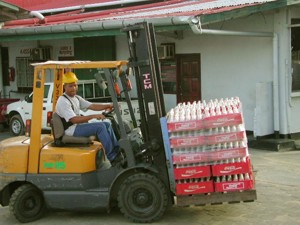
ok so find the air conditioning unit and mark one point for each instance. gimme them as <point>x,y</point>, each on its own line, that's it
<point>40,54</point>
<point>166,51</point>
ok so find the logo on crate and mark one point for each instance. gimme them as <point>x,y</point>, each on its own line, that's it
<point>233,186</point>
<point>225,120</point>
<point>229,169</point>
<point>222,120</point>
<point>185,125</point>
<point>193,188</point>
<point>187,142</point>
<point>226,138</point>
<point>228,154</point>
<point>189,173</point>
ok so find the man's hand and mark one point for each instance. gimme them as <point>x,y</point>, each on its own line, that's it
<point>99,116</point>
<point>110,107</point>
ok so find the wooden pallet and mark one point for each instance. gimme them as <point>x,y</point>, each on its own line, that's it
<point>216,198</point>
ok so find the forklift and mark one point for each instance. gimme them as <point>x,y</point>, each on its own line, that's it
<point>38,173</point>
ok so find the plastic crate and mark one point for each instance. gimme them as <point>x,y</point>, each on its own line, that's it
<point>232,168</point>
<point>190,141</point>
<point>194,188</point>
<point>229,186</point>
<point>228,154</point>
<point>192,172</point>
<point>212,156</point>
<point>206,123</point>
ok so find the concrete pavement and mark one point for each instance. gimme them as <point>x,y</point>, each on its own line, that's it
<point>278,203</point>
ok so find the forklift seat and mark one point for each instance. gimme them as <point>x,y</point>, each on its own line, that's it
<point>61,139</point>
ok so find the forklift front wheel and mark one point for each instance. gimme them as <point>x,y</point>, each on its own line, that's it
<point>27,203</point>
<point>143,198</point>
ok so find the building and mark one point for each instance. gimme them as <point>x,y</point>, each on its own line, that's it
<point>208,49</point>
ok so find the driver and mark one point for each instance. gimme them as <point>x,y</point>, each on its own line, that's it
<point>68,108</point>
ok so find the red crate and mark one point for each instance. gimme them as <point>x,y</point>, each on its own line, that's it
<point>190,141</point>
<point>185,158</point>
<point>190,158</point>
<point>232,168</point>
<point>228,154</point>
<point>192,172</point>
<point>225,137</point>
<point>234,186</point>
<point>194,188</point>
<point>185,125</point>
<point>223,120</point>
<point>209,122</point>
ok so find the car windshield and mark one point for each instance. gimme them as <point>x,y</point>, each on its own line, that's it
<point>46,91</point>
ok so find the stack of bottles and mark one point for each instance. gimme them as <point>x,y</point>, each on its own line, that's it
<point>209,147</point>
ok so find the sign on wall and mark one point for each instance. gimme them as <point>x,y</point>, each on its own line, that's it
<point>66,50</point>
<point>63,51</point>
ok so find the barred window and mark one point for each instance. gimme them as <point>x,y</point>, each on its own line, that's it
<point>24,74</point>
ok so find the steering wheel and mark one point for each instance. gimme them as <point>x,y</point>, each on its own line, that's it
<point>108,113</point>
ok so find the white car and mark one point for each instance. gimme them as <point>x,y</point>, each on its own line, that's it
<point>19,112</point>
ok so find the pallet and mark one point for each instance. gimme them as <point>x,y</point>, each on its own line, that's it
<point>216,198</point>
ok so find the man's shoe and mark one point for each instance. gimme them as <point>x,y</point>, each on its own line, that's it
<point>119,159</point>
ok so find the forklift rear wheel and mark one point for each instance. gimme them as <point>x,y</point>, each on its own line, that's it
<point>143,198</point>
<point>27,203</point>
<point>16,125</point>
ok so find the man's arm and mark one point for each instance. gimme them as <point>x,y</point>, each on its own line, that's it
<point>85,119</point>
<point>95,107</point>
<point>100,107</point>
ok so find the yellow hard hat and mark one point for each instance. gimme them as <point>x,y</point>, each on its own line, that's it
<point>69,77</point>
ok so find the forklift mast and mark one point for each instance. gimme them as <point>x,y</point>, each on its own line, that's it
<point>145,64</point>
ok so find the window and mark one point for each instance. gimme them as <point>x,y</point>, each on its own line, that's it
<point>295,41</point>
<point>46,92</point>
<point>24,74</point>
<point>166,53</point>
<point>168,75</point>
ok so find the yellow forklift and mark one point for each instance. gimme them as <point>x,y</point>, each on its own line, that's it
<point>40,172</point>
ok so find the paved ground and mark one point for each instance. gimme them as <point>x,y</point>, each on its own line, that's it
<point>278,190</point>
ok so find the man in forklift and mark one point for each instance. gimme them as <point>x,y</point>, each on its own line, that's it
<point>68,107</point>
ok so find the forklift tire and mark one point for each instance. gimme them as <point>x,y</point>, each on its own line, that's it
<point>143,198</point>
<point>16,125</point>
<point>27,203</point>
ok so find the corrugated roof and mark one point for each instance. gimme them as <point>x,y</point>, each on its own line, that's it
<point>47,5</point>
<point>171,8</point>
<point>11,12</point>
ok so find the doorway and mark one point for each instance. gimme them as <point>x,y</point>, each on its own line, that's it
<point>5,66</point>
<point>188,77</point>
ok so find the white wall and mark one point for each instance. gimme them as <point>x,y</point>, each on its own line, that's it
<point>17,49</point>
<point>230,66</point>
<point>22,49</point>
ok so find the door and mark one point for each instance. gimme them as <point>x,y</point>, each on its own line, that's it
<point>188,77</point>
<point>5,67</point>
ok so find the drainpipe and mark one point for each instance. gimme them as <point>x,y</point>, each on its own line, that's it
<point>276,85</point>
<point>37,15</point>
<point>89,26</point>
<point>195,25</point>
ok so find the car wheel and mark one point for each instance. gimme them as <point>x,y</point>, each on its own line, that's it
<point>16,125</point>
<point>143,198</point>
<point>27,203</point>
